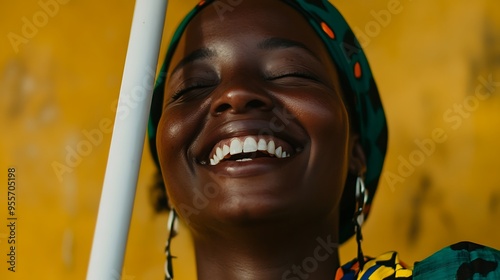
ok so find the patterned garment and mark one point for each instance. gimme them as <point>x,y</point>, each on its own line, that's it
<point>461,261</point>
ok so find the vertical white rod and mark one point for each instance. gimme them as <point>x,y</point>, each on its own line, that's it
<point>117,198</point>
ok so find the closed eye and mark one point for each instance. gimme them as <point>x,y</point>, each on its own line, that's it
<point>191,87</point>
<point>293,74</point>
<point>185,90</point>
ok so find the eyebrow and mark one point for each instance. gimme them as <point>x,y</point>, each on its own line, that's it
<point>267,44</point>
<point>199,54</point>
<point>281,43</point>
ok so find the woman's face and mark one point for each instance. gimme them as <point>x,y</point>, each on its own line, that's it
<point>240,82</point>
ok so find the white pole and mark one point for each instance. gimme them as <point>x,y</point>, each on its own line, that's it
<point>117,198</point>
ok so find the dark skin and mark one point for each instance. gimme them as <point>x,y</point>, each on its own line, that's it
<point>259,72</point>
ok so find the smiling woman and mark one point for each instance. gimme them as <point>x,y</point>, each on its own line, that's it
<point>272,110</point>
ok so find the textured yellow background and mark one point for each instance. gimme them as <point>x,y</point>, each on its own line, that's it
<point>62,80</point>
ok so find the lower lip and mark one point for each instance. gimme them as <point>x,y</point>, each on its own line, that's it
<point>249,168</point>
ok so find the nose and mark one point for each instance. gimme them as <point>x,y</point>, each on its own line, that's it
<point>239,98</point>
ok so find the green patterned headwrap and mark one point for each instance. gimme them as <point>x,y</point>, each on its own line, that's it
<point>359,88</point>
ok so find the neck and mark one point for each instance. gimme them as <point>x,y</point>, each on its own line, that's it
<point>268,252</point>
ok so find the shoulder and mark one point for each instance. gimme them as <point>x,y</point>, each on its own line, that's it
<point>463,260</point>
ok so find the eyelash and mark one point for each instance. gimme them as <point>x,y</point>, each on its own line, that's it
<point>184,90</point>
<point>293,74</point>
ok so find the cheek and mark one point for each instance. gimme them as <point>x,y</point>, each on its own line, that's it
<point>331,126</point>
<point>169,138</point>
<point>326,120</point>
<point>175,133</point>
<point>327,123</point>
<point>176,130</point>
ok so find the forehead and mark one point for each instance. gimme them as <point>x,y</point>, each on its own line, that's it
<point>249,14</point>
<point>247,23</point>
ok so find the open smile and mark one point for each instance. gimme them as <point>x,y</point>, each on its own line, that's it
<point>241,147</point>
<point>247,148</point>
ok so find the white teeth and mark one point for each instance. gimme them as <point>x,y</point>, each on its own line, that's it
<point>270,147</point>
<point>225,150</point>
<point>278,152</point>
<point>213,162</point>
<point>236,147</point>
<point>219,153</point>
<point>250,145</point>
<point>262,145</point>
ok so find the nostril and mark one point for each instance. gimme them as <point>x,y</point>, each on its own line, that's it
<point>223,107</point>
<point>253,104</point>
<point>256,104</point>
<point>238,101</point>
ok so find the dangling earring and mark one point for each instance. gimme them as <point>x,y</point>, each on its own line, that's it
<point>359,216</point>
<point>172,232</point>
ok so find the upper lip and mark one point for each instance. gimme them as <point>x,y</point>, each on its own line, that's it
<point>291,133</point>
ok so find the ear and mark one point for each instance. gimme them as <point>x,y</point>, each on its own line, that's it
<point>357,159</point>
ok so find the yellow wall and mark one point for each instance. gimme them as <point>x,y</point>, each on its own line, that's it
<point>63,79</point>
